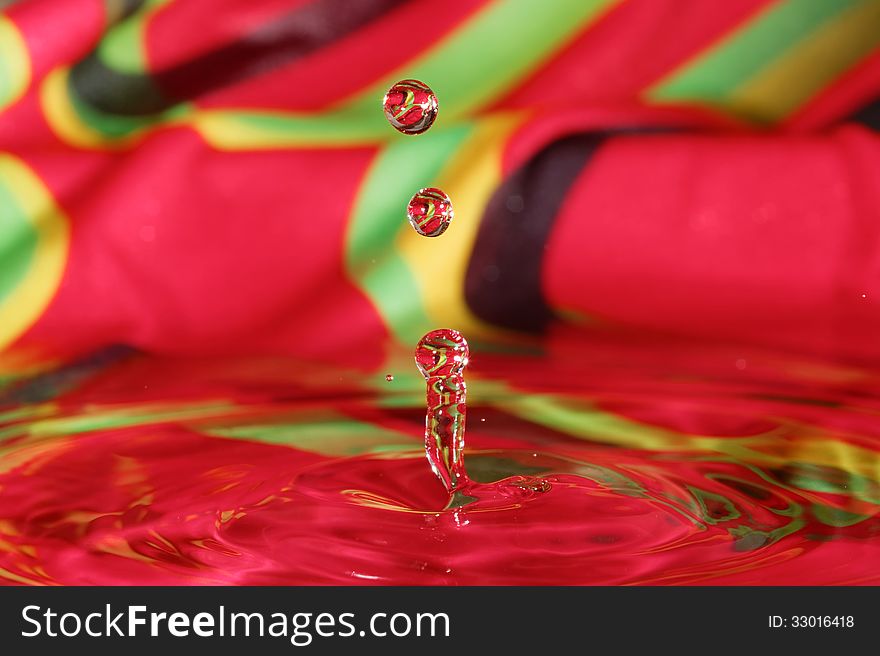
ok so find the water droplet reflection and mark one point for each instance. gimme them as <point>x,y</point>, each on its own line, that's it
<point>410,106</point>
<point>430,212</point>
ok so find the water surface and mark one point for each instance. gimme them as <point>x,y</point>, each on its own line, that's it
<point>664,462</point>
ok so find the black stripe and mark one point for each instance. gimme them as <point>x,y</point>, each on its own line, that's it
<point>122,9</point>
<point>869,115</point>
<point>279,42</point>
<point>503,281</point>
<point>112,92</point>
<point>51,384</point>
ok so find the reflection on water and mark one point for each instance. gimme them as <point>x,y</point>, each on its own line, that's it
<point>626,463</point>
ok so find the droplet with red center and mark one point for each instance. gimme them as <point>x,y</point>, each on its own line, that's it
<point>410,106</point>
<point>430,212</point>
<point>442,352</point>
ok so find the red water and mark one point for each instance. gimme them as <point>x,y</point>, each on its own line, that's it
<point>633,462</point>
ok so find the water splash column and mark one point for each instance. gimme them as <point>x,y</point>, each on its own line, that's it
<point>441,357</point>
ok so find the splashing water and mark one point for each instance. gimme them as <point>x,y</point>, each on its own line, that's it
<point>680,466</point>
<point>668,464</point>
<point>410,106</point>
<point>441,357</point>
<point>430,212</point>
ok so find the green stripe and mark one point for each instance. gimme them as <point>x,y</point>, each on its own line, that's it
<point>738,58</point>
<point>378,216</point>
<point>116,125</point>
<point>18,242</point>
<point>342,126</point>
<point>837,517</point>
<point>123,50</point>
<point>328,436</point>
<point>124,47</point>
<point>510,39</point>
<point>109,418</point>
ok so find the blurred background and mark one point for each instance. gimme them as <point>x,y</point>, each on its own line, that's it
<point>195,177</point>
<point>666,237</point>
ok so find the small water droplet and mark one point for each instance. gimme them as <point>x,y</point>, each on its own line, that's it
<point>442,352</point>
<point>522,487</point>
<point>430,212</point>
<point>532,484</point>
<point>741,364</point>
<point>389,377</point>
<point>410,106</point>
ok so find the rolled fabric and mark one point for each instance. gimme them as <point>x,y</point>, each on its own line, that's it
<point>189,186</point>
<point>771,239</point>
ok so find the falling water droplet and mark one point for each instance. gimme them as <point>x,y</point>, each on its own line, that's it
<point>410,106</point>
<point>441,357</point>
<point>430,212</point>
<point>389,377</point>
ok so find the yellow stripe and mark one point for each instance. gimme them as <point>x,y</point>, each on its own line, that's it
<point>811,447</point>
<point>507,26</point>
<point>233,130</point>
<point>223,132</point>
<point>67,125</point>
<point>64,121</point>
<point>15,63</point>
<point>20,363</point>
<point>440,263</point>
<point>23,306</point>
<point>797,76</point>
<point>579,418</point>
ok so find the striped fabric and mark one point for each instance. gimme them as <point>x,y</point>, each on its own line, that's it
<point>217,176</point>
